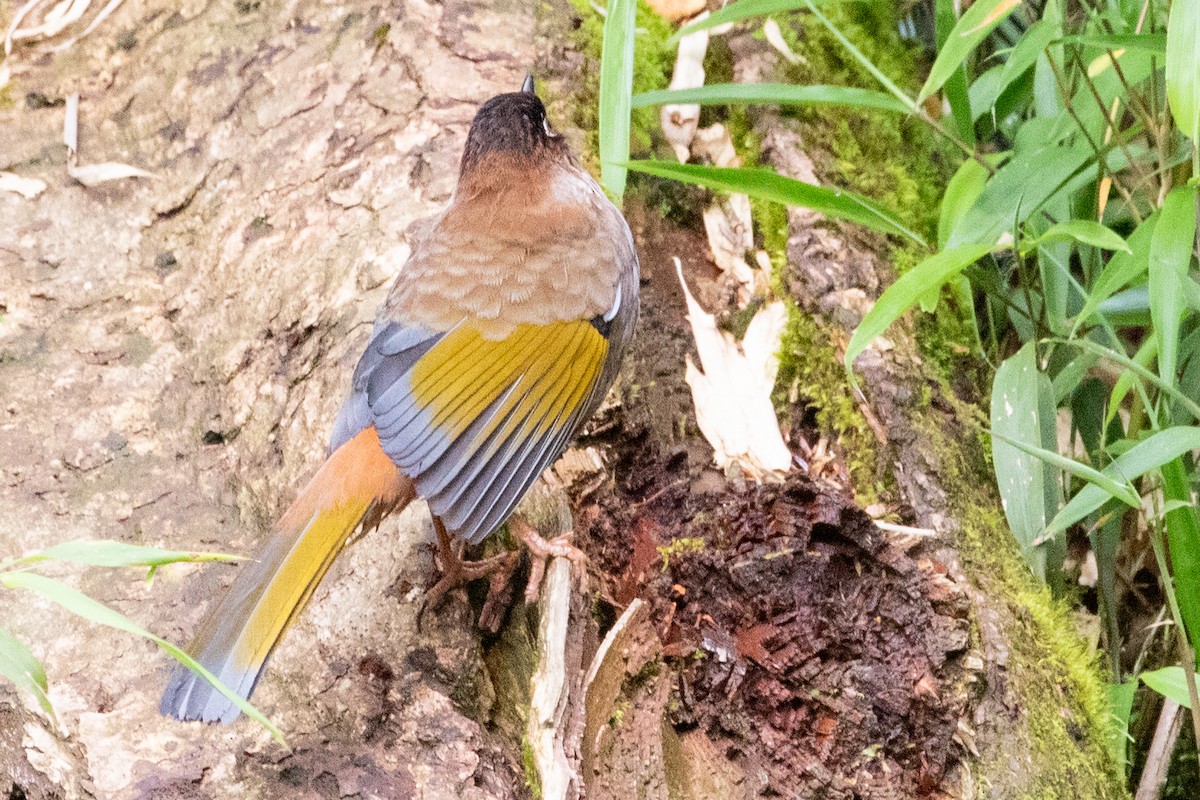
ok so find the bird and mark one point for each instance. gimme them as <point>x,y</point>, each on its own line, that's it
<point>499,338</point>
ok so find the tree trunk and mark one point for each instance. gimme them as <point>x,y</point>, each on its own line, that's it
<point>172,353</point>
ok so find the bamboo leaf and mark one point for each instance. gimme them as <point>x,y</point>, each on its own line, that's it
<point>1171,683</point>
<point>91,610</point>
<point>1122,269</point>
<point>767,185</point>
<point>972,28</point>
<point>1170,254</point>
<point>1183,536</point>
<point>774,94</point>
<point>1083,231</point>
<point>1151,453</point>
<point>1183,67</point>
<point>962,191</point>
<point>907,292</point>
<point>1022,419</point>
<point>22,668</point>
<point>616,87</point>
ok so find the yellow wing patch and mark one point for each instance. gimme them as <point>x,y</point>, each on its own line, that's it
<point>546,369</point>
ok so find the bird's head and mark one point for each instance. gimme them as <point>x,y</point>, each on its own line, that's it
<point>513,127</point>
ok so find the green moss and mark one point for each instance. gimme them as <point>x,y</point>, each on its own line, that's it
<point>810,371</point>
<point>653,61</point>
<point>1063,703</point>
<point>531,773</point>
<point>380,34</point>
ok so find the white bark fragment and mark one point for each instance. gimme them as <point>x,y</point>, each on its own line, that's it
<point>548,702</point>
<point>732,394</point>
<point>679,121</point>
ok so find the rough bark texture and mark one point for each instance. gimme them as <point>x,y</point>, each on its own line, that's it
<point>171,356</point>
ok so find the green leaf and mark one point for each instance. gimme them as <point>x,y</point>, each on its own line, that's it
<point>1183,536</point>
<point>1155,43</point>
<point>908,290</point>
<point>1170,253</point>
<point>971,29</point>
<point>1081,230</point>
<point>1031,45</point>
<point>1121,269</point>
<point>740,10</point>
<point>1019,189</point>
<point>773,93</point>
<point>957,92</point>
<point>1183,67</point>
<point>1022,419</point>
<point>767,185</point>
<point>1120,704</point>
<point>1121,490</point>
<point>105,553</point>
<point>616,87</point>
<point>1151,453</point>
<point>91,610</point>
<point>22,668</point>
<point>961,193</point>
<point>1171,683</point>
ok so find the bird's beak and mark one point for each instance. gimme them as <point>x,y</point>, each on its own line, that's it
<point>527,85</point>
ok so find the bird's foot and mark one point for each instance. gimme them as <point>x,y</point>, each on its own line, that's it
<point>540,550</point>
<point>456,573</point>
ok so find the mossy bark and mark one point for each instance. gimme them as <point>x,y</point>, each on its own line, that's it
<point>1038,725</point>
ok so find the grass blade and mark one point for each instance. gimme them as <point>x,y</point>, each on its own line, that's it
<point>1121,490</point>
<point>1183,536</point>
<point>83,606</point>
<point>1183,66</point>
<point>767,185</point>
<point>775,94</point>
<point>1151,453</point>
<point>907,292</point>
<point>22,668</point>
<point>1154,43</point>
<point>616,88</point>
<point>105,553</point>
<point>867,64</point>
<point>1170,254</point>
<point>1120,704</point>
<point>740,10</point>
<point>1081,230</point>
<point>972,28</point>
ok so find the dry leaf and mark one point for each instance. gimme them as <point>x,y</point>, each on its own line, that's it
<point>679,121</point>
<point>93,174</point>
<point>732,394</point>
<point>28,188</point>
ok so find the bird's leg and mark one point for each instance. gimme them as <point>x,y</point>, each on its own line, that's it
<point>456,572</point>
<point>539,550</point>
